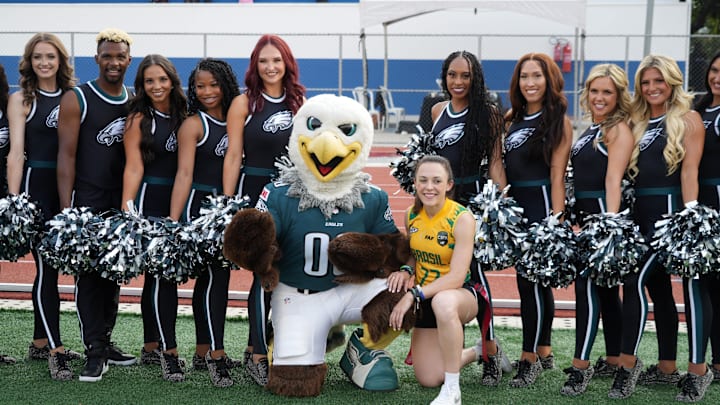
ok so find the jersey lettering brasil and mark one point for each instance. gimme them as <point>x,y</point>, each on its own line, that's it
<point>432,242</point>
<point>304,236</point>
<point>709,171</point>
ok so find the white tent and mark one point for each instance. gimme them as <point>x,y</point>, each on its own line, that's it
<point>387,12</point>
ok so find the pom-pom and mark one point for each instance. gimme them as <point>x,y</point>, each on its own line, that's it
<point>209,228</point>
<point>688,242</point>
<point>172,252</point>
<point>610,247</point>
<point>121,245</point>
<point>403,168</point>
<point>549,253</point>
<point>570,211</point>
<point>68,244</point>
<point>499,227</point>
<point>20,226</point>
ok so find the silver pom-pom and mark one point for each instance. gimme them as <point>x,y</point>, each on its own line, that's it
<point>68,242</point>
<point>20,226</point>
<point>570,200</point>
<point>121,244</point>
<point>172,252</point>
<point>688,242</point>
<point>403,168</point>
<point>549,253</point>
<point>209,228</point>
<point>499,227</point>
<point>611,247</point>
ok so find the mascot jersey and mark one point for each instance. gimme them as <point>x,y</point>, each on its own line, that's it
<point>304,236</point>
<point>709,170</point>
<point>432,241</point>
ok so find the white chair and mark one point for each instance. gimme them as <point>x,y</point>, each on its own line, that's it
<point>390,109</point>
<point>366,98</point>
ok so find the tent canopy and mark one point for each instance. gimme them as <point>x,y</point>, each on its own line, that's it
<point>373,12</point>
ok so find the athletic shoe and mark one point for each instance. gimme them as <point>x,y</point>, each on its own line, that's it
<point>693,386</point>
<point>219,371</point>
<point>653,375</point>
<point>447,396</point>
<point>116,356</point>
<point>42,353</point>
<point>604,369</point>
<point>151,357</point>
<point>199,363</point>
<point>247,356</point>
<point>504,361</point>
<point>547,363</point>
<point>527,374</point>
<point>4,359</point>
<point>370,370</point>
<point>95,365</point>
<point>715,371</point>
<point>259,371</point>
<point>625,381</point>
<point>59,365</point>
<point>578,380</point>
<point>492,369</point>
<point>171,367</point>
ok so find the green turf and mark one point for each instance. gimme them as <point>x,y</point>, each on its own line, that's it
<point>28,382</point>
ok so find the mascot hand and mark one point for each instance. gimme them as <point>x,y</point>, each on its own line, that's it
<point>363,256</point>
<point>376,314</point>
<point>250,243</point>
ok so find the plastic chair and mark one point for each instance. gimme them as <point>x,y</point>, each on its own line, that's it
<point>390,109</point>
<point>366,98</point>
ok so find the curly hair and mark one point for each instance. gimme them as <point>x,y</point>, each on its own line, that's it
<point>223,73</point>
<point>483,123</point>
<point>707,99</point>
<point>65,77</point>
<point>294,91</point>
<point>4,90</point>
<point>142,104</point>
<point>677,105</point>
<point>554,104</point>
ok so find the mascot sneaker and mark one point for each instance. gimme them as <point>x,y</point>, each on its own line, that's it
<point>370,370</point>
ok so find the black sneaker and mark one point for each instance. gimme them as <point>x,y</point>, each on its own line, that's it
<point>59,366</point>
<point>42,353</point>
<point>578,380</point>
<point>4,359</point>
<point>693,386</point>
<point>117,357</point>
<point>247,356</point>
<point>625,381</point>
<point>199,363</point>
<point>492,369</point>
<point>219,371</point>
<point>715,371</point>
<point>604,369</point>
<point>151,357</point>
<point>95,365</point>
<point>547,363</point>
<point>527,374</point>
<point>259,371</point>
<point>171,368</point>
<point>653,375</point>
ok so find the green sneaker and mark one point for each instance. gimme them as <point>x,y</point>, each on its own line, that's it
<point>371,370</point>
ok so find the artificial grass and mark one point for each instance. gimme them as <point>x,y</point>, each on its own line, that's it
<point>28,382</point>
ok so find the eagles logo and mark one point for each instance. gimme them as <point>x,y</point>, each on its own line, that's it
<point>51,120</point>
<point>279,121</point>
<point>388,214</point>
<point>581,144</point>
<point>449,135</point>
<point>517,138</point>
<point>171,144</point>
<point>4,137</point>
<point>112,133</point>
<point>649,137</point>
<point>442,238</point>
<point>222,146</point>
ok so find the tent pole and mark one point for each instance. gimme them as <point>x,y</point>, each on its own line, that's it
<point>385,66</point>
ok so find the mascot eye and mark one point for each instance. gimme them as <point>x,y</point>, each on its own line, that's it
<point>313,123</point>
<point>348,129</point>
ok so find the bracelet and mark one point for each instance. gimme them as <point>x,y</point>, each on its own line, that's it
<point>407,268</point>
<point>420,292</point>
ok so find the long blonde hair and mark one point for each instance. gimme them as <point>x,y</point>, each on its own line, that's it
<point>676,107</point>
<point>617,76</point>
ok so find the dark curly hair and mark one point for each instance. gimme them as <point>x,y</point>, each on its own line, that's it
<point>483,123</point>
<point>223,73</point>
<point>141,102</point>
<point>706,99</point>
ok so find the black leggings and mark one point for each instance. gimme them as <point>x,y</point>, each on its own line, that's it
<point>537,310</point>
<point>159,305</point>
<point>713,284</point>
<point>258,313</point>
<point>210,298</point>
<point>46,303</point>
<point>699,317</point>
<point>97,302</point>
<point>590,302</point>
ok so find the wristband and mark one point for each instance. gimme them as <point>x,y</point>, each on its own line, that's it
<point>407,268</point>
<point>420,292</point>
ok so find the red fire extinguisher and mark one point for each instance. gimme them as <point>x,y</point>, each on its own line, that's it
<point>567,58</point>
<point>557,52</point>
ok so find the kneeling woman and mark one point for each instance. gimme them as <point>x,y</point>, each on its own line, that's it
<point>441,234</point>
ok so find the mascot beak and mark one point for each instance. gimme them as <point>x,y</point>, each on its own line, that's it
<point>326,155</point>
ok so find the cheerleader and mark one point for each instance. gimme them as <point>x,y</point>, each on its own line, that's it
<point>537,149</point>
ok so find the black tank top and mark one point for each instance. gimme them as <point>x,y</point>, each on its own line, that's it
<point>210,154</point>
<point>41,143</point>
<point>448,138</point>
<point>589,168</point>
<point>164,147</point>
<point>709,171</point>
<point>4,149</point>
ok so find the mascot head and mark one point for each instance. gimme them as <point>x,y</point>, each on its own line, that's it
<point>330,144</point>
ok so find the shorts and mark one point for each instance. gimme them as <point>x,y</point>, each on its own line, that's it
<point>426,317</point>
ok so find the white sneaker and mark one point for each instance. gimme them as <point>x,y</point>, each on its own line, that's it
<point>448,396</point>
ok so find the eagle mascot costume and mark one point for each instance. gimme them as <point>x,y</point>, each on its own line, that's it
<point>323,239</point>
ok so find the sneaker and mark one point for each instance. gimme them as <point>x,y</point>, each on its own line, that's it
<point>715,371</point>
<point>370,370</point>
<point>219,371</point>
<point>578,380</point>
<point>151,357</point>
<point>653,375</point>
<point>247,356</point>
<point>171,367</point>
<point>117,357</point>
<point>59,366</point>
<point>504,361</point>
<point>605,369</point>
<point>527,373</point>
<point>4,359</point>
<point>258,371</point>
<point>693,386</point>
<point>95,365</point>
<point>492,369</point>
<point>199,363</point>
<point>625,381</point>
<point>447,396</point>
<point>42,353</point>
<point>547,363</point>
